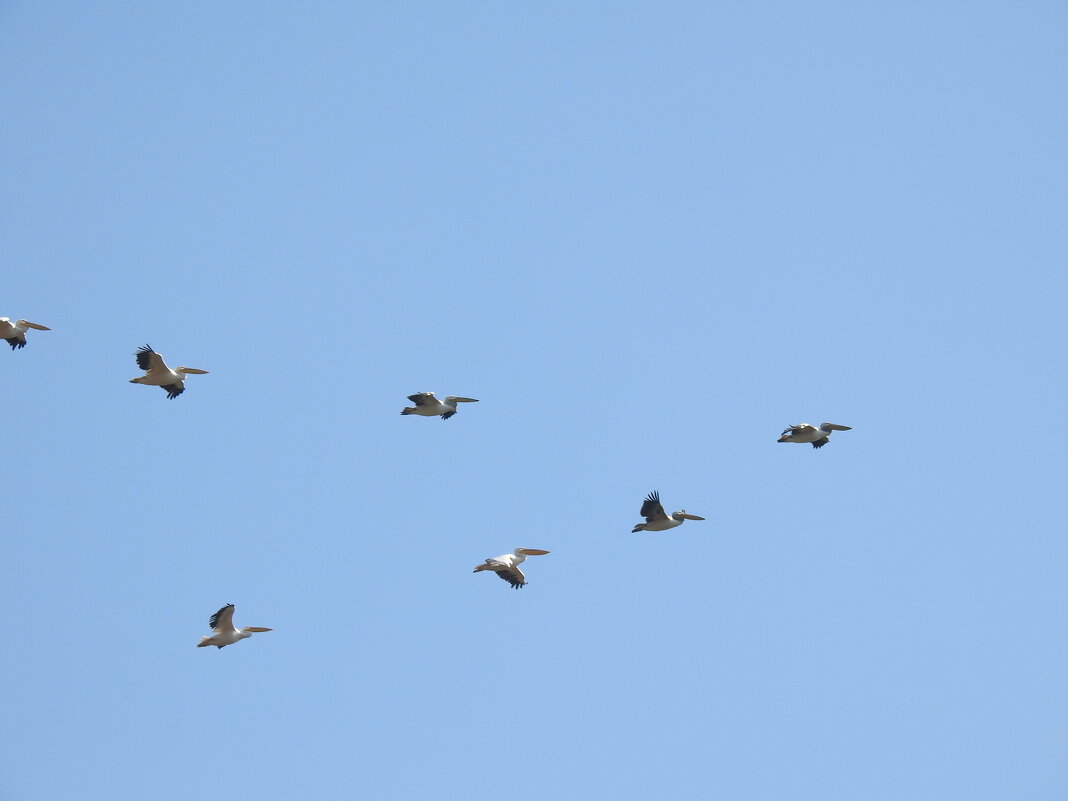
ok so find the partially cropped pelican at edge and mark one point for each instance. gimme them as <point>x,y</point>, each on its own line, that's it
<point>225,633</point>
<point>656,519</point>
<point>15,332</point>
<point>506,566</point>
<point>158,374</point>
<point>806,432</point>
<point>429,406</point>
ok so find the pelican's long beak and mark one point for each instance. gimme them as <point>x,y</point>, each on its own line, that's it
<point>532,551</point>
<point>466,400</point>
<point>691,517</point>
<point>38,327</point>
<point>257,628</point>
<point>195,371</point>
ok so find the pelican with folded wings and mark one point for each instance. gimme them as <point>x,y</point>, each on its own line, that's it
<point>506,566</point>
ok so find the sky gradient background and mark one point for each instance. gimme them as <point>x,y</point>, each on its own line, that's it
<point>648,237</point>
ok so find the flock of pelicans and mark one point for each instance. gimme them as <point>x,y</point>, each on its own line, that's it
<point>506,566</point>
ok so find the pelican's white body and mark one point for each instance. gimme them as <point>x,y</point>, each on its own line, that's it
<point>806,433</point>
<point>434,408</point>
<point>161,378</point>
<point>508,560</point>
<point>663,525</point>
<point>224,638</point>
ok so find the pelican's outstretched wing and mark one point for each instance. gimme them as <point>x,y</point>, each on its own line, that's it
<point>513,575</point>
<point>652,510</point>
<point>150,361</point>
<point>422,398</point>
<point>223,620</point>
<point>173,390</point>
<point>819,443</point>
<point>507,571</point>
<point>16,342</point>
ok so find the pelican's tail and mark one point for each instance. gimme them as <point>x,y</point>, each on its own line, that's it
<point>407,410</point>
<point>637,528</point>
<point>203,642</point>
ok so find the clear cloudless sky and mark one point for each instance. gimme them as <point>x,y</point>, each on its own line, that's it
<point>648,237</point>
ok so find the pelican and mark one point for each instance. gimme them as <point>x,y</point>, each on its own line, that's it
<point>226,633</point>
<point>656,519</point>
<point>506,566</point>
<point>158,374</point>
<point>15,332</point>
<point>806,432</point>
<point>429,406</point>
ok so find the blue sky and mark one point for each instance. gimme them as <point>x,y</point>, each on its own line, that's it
<point>648,237</point>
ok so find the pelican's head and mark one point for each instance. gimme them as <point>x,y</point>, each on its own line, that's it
<point>454,399</point>
<point>530,552</point>
<point>192,371</point>
<point>681,515</point>
<point>28,324</point>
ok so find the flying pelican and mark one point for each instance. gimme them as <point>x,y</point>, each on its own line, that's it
<point>429,406</point>
<point>158,374</point>
<point>15,332</point>
<point>656,519</point>
<point>506,566</point>
<point>806,432</point>
<point>226,633</point>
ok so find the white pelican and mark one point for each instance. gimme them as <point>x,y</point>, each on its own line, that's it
<point>429,406</point>
<point>655,517</point>
<point>158,374</point>
<point>805,432</point>
<point>15,332</point>
<point>222,623</point>
<point>506,566</point>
